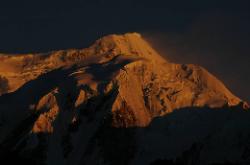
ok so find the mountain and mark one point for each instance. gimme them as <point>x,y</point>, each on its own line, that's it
<point>117,102</point>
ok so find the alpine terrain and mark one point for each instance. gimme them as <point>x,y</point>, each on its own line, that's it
<point>117,102</point>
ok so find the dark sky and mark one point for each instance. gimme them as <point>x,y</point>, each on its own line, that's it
<point>212,33</point>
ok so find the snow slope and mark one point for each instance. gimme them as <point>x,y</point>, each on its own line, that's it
<point>81,106</point>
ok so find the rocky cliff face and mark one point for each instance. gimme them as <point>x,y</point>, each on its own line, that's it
<point>73,106</point>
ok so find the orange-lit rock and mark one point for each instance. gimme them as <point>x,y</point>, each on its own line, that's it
<point>48,107</point>
<point>246,106</point>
